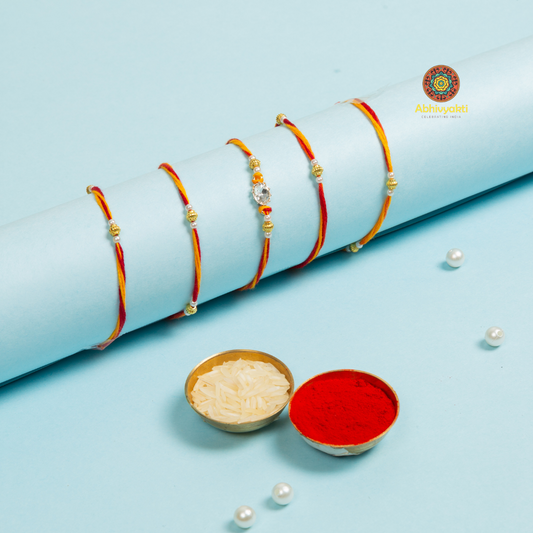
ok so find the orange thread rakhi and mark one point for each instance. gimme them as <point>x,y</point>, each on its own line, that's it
<point>317,170</point>
<point>114,231</point>
<point>192,217</point>
<point>261,194</point>
<point>391,182</point>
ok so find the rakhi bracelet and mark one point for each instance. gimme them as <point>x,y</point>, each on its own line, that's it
<point>261,194</point>
<point>317,170</point>
<point>391,182</point>
<point>114,230</point>
<point>192,217</point>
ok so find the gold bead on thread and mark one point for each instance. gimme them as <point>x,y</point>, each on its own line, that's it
<point>268,226</point>
<point>317,171</point>
<point>353,248</point>
<point>114,230</point>
<point>279,119</point>
<point>89,189</point>
<point>392,184</point>
<point>254,163</point>
<point>190,310</point>
<point>192,216</point>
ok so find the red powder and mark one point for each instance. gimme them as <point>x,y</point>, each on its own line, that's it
<point>343,409</point>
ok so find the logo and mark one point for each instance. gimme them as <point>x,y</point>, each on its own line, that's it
<point>441,83</point>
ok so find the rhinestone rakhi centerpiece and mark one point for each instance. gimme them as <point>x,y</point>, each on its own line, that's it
<point>261,193</point>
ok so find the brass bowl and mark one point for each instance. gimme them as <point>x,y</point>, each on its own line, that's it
<point>350,448</point>
<point>234,355</point>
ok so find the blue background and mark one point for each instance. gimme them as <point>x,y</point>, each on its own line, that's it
<point>105,442</point>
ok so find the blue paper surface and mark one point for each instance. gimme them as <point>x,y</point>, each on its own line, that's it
<point>72,303</point>
<point>105,441</point>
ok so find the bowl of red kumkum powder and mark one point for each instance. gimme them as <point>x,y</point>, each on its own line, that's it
<point>344,412</point>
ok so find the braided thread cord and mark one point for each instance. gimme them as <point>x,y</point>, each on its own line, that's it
<point>192,216</point>
<point>317,171</point>
<point>121,269</point>
<point>391,182</point>
<point>263,210</point>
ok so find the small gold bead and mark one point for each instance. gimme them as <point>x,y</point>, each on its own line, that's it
<point>89,189</point>
<point>254,163</point>
<point>192,216</point>
<point>317,171</point>
<point>268,226</point>
<point>190,309</point>
<point>392,184</point>
<point>353,247</point>
<point>114,230</point>
<point>279,119</point>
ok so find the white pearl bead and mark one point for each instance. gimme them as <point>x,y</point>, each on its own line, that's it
<point>244,517</point>
<point>188,207</point>
<point>390,192</point>
<point>359,245</point>
<point>314,162</point>
<point>267,218</point>
<point>257,169</point>
<point>268,234</point>
<point>495,336</point>
<point>455,258</point>
<point>194,225</point>
<point>116,238</point>
<point>282,494</point>
<point>319,179</point>
<point>193,303</point>
<point>391,174</point>
<point>110,221</point>
<point>251,157</point>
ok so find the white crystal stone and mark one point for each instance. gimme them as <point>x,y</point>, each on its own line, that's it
<point>261,193</point>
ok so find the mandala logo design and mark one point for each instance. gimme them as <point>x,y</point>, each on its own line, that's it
<point>441,83</point>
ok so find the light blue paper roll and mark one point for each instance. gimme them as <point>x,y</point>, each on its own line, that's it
<point>58,281</point>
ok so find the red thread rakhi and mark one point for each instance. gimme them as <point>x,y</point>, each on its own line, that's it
<point>317,170</point>
<point>192,216</point>
<point>261,194</point>
<point>391,182</point>
<point>114,230</point>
